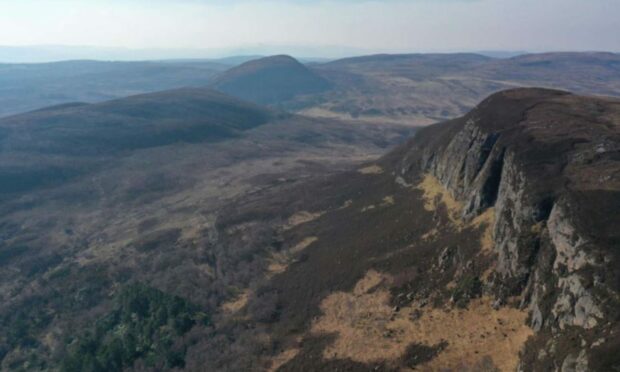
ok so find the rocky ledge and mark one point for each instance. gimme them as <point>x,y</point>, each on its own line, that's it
<point>548,162</point>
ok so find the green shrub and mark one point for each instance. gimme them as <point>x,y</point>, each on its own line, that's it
<point>143,325</point>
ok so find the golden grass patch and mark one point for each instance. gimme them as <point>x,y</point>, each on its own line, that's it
<point>279,261</point>
<point>537,228</point>
<point>368,208</point>
<point>371,169</point>
<point>301,218</point>
<point>486,275</point>
<point>303,244</point>
<point>370,281</point>
<point>385,202</point>
<point>434,193</point>
<point>237,303</point>
<point>430,235</point>
<point>388,200</point>
<point>369,330</point>
<point>283,358</point>
<point>277,266</point>
<point>486,219</point>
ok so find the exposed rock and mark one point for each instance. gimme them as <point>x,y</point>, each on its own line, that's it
<point>567,242</point>
<point>538,160</point>
<point>575,305</point>
<point>536,321</point>
<point>575,363</point>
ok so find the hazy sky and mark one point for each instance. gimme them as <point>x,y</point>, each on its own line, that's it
<point>380,26</point>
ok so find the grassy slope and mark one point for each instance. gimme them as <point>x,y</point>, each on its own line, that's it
<point>143,211</point>
<point>59,143</point>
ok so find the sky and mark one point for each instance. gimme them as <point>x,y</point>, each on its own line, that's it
<point>319,28</point>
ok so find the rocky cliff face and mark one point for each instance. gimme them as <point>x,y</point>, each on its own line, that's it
<point>548,163</point>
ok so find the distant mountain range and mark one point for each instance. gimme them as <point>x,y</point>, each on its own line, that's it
<point>56,53</point>
<point>25,87</point>
<point>411,89</point>
<point>419,89</point>
<point>52,53</point>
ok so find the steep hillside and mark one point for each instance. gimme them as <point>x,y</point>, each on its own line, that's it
<point>270,80</point>
<point>25,87</point>
<point>547,164</point>
<point>485,243</point>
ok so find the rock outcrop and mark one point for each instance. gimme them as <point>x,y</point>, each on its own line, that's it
<point>548,162</point>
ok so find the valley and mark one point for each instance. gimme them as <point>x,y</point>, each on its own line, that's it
<point>134,194</point>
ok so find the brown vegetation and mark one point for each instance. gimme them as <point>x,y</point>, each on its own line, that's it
<point>370,330</point>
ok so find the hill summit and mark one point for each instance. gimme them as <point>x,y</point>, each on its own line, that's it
<point>270,80</point>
